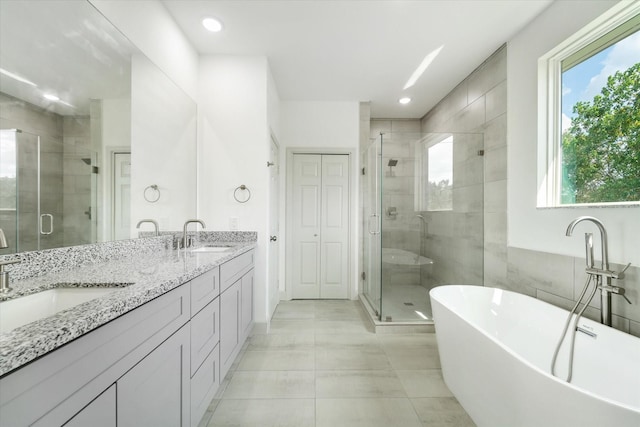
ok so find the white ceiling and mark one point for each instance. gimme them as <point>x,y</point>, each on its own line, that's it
<point>359,50</point>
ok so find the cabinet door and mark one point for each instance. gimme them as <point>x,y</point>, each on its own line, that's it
<point>204,385</point>
<point>156,391</point>
<point>246,305</point>
<point>205,333</point>
<point>229,333</point>
<point>99,413</point>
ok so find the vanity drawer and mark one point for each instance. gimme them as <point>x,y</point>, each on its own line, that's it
<point>205,333</point>
<point>234,269</point>
<point>204,289</point>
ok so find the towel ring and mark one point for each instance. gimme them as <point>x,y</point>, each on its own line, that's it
<point>155,195</point>
<point>245,188</point>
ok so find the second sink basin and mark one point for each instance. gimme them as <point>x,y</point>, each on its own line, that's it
<point>23,310</point>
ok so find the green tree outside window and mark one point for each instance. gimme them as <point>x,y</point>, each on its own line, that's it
<point>601,149</point>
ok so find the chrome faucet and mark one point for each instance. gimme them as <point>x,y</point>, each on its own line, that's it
<point>154,222</point>
<point>185,241</point>
<point>4,275</point>
<point>603,274</point>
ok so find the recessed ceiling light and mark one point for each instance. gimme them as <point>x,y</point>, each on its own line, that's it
<point>404,100</point>
<point>51,97</point>
<point>212,24</point>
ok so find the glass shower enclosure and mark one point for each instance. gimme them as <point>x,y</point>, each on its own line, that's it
<point>48,196</point>
<point>422,219</point>
<point>20,210</point>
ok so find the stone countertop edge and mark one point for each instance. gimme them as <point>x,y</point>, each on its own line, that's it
<point>159,274</point>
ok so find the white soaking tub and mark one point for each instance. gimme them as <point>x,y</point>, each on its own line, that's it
<point>496,348</point>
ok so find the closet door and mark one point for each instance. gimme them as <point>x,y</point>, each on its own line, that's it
<point>320,198</point>
<point>306,199</point>
<point>334,227</point>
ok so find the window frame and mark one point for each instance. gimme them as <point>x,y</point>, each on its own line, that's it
<point>550,98</point>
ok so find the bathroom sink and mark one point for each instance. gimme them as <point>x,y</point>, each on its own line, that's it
<point>212,249</point>
<point>23,310</point>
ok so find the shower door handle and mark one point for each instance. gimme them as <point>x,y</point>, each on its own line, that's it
<point>50,224</point>
<point>377,222</point>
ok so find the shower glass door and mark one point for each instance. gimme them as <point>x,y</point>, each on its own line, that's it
<point>372,237</point>
<point>20,190</point>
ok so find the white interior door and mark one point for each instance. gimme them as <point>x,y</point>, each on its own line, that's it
<point>320,226</point>
<point>306,225</point>
<point>121,217</point>
<point>274,227</point>
<point>334,230</point>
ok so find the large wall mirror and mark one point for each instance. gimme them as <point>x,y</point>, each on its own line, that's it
<point>94,136</point>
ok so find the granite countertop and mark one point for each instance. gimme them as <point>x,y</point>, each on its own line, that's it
<point>141,279</point>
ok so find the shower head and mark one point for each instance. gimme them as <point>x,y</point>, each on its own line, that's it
<point>392,163</point>
<point>86,160</point>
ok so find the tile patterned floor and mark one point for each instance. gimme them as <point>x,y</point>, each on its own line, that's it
<point>320,366</point>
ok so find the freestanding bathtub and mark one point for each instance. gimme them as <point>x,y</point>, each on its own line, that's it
<point>496,348</point>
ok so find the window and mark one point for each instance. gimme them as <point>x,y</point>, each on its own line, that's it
<point>434,179</point>
<point>590,114</point>
<point>8,181</point>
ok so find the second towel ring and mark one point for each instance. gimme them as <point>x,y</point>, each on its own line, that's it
<point>244,188</point>
<point>155,196</point>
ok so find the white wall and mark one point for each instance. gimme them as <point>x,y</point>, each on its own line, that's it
<point>151,29</point>
<point>322,125</point>
<point>233,150</point>
<point>544,229</point>
<point>163,149</point>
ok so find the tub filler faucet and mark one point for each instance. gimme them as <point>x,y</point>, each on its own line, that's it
<point>603,275</point>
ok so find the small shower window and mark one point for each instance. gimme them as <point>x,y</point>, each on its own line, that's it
<point>8,181</point>
<point>435,177</point>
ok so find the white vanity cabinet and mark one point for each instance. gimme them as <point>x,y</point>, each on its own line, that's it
<point>205,337</point>
<point>236,307</point>
<point>99,413</point>
<point>159,364</point>
<point>156,391</point>
<point>63,384</point>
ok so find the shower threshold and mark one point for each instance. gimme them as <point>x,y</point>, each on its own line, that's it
<point>399,327</point>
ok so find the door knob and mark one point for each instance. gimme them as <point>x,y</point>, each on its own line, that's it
<point>273,238</point>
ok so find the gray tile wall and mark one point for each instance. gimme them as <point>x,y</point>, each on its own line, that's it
<point>76,178</point>
<point>471,242</point>
<point>559,280</point>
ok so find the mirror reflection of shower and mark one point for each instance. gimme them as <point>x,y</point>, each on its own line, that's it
<point>47,203</point>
